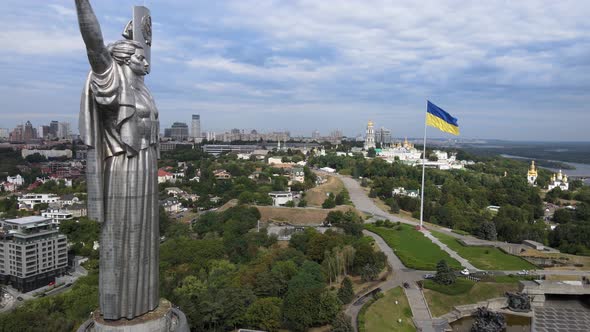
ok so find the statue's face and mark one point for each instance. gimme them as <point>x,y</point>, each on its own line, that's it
<point>138,63</point>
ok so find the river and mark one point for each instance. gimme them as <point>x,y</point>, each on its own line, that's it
<point>581,169</point>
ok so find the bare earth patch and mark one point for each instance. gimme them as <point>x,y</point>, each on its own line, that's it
<point>316,196</point>
<point>297,216</point>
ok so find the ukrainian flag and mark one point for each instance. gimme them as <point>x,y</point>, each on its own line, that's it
<point>438,118</point>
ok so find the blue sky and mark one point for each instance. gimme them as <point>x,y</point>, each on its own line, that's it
<point>506,69</point>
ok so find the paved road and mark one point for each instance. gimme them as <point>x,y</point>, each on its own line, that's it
<point>422,316</point>
<point>64,280</point>
<point>401,274</point>
<point>362,202</point>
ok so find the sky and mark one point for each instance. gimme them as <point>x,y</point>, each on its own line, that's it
<point>516,70</point>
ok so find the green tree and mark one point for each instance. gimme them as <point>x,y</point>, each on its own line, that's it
<point>265,314</point>
<point>444,274</point>
<point>340,198</point>
<point>393,206</point>
<point>342,323</point>
<point>487,231</point>
<point>330,202</point>
<point>346,293</point>
<point>35,158</point>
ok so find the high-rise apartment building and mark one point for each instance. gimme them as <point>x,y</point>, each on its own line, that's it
<point>63,130</point>
<point>211,136</point>
<point>196,127</point>
<point>32,252</point>
<point>16,135</point>
<point>4,133</point>
<point>29,133</point>
<point>383,136</point>
<point>178,131</point>
<point>53,128</point>
<point>370,136</point>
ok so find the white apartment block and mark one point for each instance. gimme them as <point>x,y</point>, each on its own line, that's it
<point>30,200</point>
<point>32,252</point>
<point>57,215</point>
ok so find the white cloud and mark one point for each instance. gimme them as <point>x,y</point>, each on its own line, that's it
<point>63,11</point>
<point>275,68</point>
<point>31,41</point>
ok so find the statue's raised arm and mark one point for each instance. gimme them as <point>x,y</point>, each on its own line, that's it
<point>98,55</point>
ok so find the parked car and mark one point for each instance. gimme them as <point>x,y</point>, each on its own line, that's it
<point>51,283</point>
<point>465,272</point>
<point>406,284</point>
<point>522,273</point>
<point>19,298</point>
<point>428,276</point>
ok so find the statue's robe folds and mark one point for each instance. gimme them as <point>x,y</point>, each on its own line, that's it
<point>119,123</point>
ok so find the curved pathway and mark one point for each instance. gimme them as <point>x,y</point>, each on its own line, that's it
<point>422,316</point>
<point>420,312</point>
<point>362,202</point>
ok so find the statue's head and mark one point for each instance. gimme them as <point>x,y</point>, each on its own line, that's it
<point>130,53</point>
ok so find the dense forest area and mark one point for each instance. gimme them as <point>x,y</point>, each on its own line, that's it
<point>223,274</point>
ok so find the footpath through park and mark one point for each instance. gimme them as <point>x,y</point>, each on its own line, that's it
<point>420,311</point>
<point>362,202</point>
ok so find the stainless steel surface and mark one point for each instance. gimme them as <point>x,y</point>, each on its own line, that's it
<point>119,122</point>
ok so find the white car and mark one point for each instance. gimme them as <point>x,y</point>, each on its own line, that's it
<point>465,272</point>
<point>522,273</point>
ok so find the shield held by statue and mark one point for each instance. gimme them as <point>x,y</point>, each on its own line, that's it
<point>140,30</point>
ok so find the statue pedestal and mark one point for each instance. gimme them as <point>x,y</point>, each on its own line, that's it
<point>164,318</point>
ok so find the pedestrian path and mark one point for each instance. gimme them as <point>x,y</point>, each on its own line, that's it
<point>362,202</point>
<point>449,251</point>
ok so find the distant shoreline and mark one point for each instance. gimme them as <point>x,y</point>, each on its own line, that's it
<point>549,164</point>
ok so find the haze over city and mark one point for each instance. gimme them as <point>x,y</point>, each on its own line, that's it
<point>521,73</point>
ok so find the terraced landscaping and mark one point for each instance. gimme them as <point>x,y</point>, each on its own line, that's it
<point>444,298</point>
<point>485,258</point>
<point>413,248</point>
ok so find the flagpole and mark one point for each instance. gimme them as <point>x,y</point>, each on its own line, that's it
<point>423,169</point>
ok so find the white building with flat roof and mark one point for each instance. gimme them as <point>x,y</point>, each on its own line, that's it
<point>280,198</point>
<point>30,200</point>
<point>57,215</point>
<point>32,252</point>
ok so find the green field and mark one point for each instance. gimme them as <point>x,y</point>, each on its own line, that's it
<point>383,315</point>
<point>460,286</point>
<point>414,249</point>
<point>485,258</point>
<point>440,302</point>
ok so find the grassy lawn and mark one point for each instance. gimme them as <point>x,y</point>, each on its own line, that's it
<point>383,314</point>
<point>461,286</point>
<point>440,303</point>
<point>413,248</point>
<point>485,258</point>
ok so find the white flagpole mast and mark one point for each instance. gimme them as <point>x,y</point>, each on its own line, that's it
<point>423,168</point>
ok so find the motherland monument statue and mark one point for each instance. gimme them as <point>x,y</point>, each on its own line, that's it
<point>119,124</point>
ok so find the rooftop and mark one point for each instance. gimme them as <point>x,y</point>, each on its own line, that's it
<point>27,220</point>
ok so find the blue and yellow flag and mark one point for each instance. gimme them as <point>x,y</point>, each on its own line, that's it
<point>436,117</point>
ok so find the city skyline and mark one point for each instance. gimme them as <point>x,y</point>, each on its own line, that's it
<point>519,74</point>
